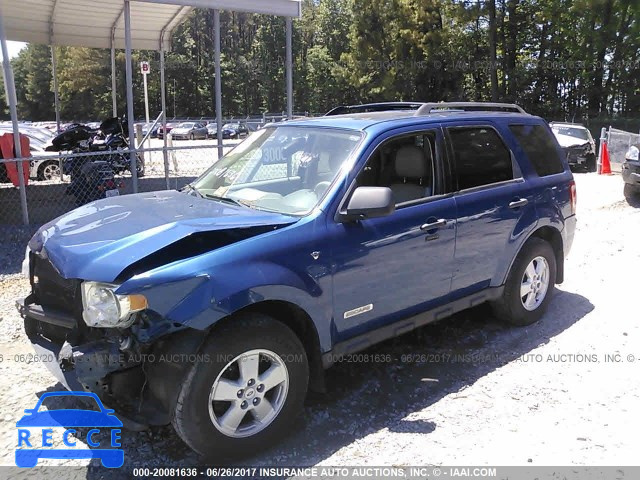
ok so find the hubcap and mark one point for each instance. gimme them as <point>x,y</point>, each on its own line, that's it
<point>249,393</point>
<point>50,171</point>
<point>535,283</point>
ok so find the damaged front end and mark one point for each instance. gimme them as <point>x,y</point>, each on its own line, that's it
<point>122,296</point>
<point>137,370</point>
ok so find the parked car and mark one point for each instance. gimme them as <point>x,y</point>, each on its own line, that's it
<point>189,131</point>
<point>40,168</point>
<point>234,130</point>
<point>578,144</point>
<point>631,172</point>
<point>315,239</point>
<point>147,126</point>
<point>170,127</point>
<point>212,130</point>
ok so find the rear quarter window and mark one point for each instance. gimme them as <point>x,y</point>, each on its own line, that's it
<point>540,148</point>
<point>480,156</point>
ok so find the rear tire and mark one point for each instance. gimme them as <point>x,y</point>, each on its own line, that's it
<point>529,286</point>
<point>232,382</point>
<point>49,170</point>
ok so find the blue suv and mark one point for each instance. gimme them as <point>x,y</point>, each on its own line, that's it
<point>217,307</point>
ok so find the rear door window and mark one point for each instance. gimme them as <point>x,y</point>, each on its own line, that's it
<point>540,148</point>
<point>480,157</point>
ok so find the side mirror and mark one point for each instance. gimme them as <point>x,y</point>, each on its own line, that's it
<point>371,202</point>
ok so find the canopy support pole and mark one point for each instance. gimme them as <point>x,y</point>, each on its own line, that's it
<point>163,99</point>
<point>289,68</point>
<point>56,92</point>
<point>218,80</point>
<point>129,74</point>
<point>114,95</point>
<point>10,90</point>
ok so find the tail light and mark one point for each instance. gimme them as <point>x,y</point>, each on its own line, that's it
<point>573,196</point>
<point>110,184</point>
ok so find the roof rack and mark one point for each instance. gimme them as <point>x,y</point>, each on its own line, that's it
<point>427,108</point>
<point>374,107</point>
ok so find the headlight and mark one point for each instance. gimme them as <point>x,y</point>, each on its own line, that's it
<point>102,308</point>
<point>632,154</point>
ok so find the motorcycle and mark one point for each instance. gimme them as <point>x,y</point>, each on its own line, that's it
<point>93,181</point>
<point>111,138</point>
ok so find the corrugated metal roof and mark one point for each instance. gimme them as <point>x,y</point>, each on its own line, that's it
<point>87,23</point>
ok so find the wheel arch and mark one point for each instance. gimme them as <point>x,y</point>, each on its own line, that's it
<point>300,322</point>
<point>552,236</point>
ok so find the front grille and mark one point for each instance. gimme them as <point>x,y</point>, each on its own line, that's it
<point>52,290</point>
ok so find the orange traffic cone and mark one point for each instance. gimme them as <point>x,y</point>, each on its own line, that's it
<point>605,167</point>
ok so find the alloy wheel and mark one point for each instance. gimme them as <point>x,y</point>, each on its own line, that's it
<point>249,393</point>
<point>535,283</point>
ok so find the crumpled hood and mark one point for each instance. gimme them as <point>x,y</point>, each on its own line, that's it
<point>567,141</point>
<point>99,240</point>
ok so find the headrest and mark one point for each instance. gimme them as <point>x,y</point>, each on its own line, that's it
<point>410,162</point>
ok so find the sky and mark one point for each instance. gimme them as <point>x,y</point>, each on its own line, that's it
<point>14,48</point>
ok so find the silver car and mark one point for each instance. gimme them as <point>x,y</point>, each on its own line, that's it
<point>189,131</point>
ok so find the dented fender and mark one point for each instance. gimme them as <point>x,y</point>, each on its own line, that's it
<point>200,291</point>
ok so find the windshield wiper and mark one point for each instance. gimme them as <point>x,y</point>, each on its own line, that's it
<point>191,188</point>
<point>240,203</point>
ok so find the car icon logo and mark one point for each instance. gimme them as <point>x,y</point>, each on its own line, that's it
<point>35,430</point>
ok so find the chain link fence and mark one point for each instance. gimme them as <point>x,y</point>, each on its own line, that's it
<point>618,142</point>
<point>59,183</point>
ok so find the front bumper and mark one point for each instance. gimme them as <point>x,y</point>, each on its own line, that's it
<point>631,172</point>
<point>578,155</point>
<point>140,384</point>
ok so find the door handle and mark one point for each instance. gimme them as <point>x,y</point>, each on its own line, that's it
<point>518,203</point>
<point>433,225</point>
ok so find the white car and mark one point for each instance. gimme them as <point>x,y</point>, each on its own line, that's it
<point>41,168</point>
<point>578,144</point>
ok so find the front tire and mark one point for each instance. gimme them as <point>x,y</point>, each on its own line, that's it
<point>247,390</point>
<point>631,192</point>
<point>529,285</point>
<point>592,164</point>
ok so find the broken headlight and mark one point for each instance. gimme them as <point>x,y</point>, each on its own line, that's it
<point>632,154</point>
<point>103,308</point>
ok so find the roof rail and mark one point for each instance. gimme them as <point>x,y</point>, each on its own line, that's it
<point>470,107</point>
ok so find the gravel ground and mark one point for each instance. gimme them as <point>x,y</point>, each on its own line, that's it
<point>474,392</point>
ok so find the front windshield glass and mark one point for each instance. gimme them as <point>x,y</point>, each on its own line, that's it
<point>230,125</point>
<point>581,133</point>
<point>185,125</point>
<point>285,169</point>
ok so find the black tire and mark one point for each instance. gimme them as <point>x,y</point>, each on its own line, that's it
<point>592,164</point>
<point>140,166</point>
<point>192,420</point>
<point>192,136</point>
<point>631,192</point>
<point>41,170</point>
<point>509,307</point>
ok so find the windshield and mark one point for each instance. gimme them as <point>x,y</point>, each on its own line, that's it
<point>285,169</point>
<point>185,125</point>
<point>230,125</point>
<point>575,132</point>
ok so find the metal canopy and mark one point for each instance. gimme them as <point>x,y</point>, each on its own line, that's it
<point>90,23</point>
<point>128,24</point>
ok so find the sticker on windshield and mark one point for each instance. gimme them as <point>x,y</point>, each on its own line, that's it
<point>273,155</point>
